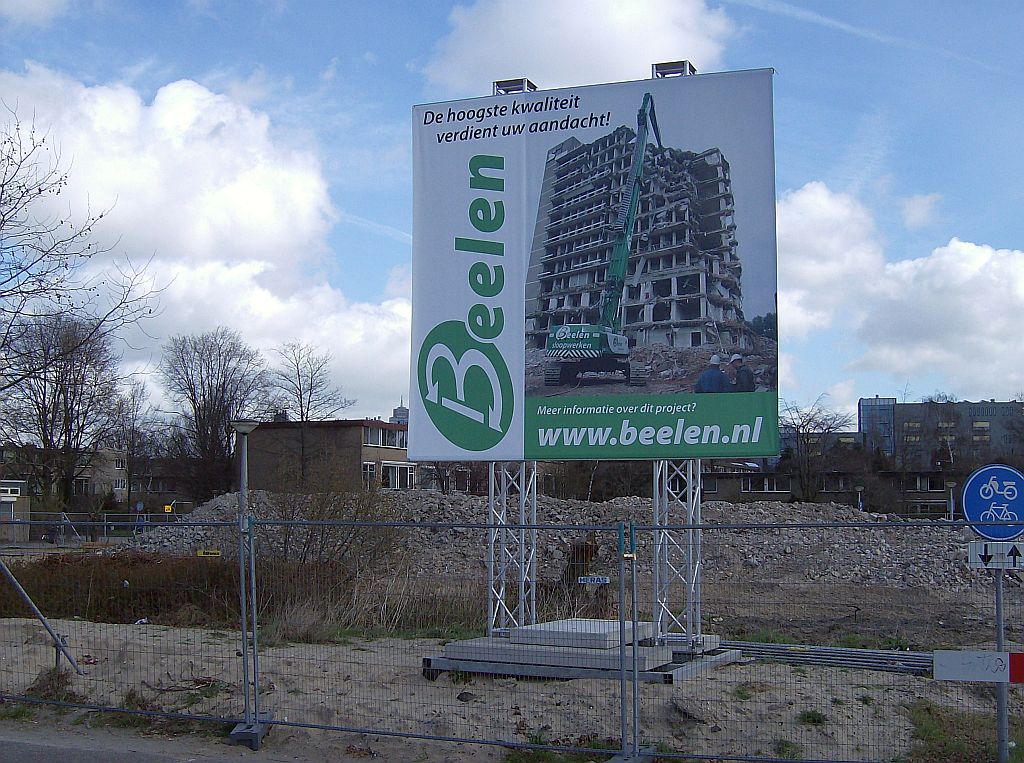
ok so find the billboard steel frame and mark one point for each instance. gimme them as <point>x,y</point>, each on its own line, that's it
<point>677,553</point>
<point>511,545</point>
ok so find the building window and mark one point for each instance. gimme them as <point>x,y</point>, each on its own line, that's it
<point>911,424</point>
<point>397,476</point>
<point>836,483</point>
<point>912,438</point>
<point>15,491</point>
<point>120,463</point>
<point>947,424</point>
<point>372,435</point>
<point>369,472</point>
<point>120,484</point>
<point>768,483</point>
<point>708,484</point>
<point>981,438</point>
<point>80,486</point>
<point>981,424</point>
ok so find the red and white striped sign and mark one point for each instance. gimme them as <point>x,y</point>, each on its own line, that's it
<point>993,667</point>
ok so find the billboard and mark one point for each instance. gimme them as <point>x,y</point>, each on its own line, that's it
<point>594,273</point>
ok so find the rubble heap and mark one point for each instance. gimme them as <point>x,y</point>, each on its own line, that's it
<point>884,552</point>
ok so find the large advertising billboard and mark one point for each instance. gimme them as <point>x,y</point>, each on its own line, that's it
<point>594,273</point>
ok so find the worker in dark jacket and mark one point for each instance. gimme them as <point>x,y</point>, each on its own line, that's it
<point>743,377</point>
<point>713,380</point>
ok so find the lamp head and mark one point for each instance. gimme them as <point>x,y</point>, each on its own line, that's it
<point>244,426</point>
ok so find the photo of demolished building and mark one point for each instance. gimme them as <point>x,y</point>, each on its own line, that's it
<point>682,291</point>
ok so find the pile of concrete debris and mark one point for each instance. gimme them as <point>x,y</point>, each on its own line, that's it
<point>763,540</point>
<point>672,369</point>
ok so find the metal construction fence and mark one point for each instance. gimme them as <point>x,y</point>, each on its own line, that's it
<point>815,640</point>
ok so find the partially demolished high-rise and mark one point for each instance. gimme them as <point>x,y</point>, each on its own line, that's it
<point>683,278</point>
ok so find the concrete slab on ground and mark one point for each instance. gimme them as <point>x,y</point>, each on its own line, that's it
<point>491,649</point>
<point>579,632</point>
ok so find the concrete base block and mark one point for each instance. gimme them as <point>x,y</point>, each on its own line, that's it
<point>500,650</point>
<point>579,632</point>
<point>251,734</point>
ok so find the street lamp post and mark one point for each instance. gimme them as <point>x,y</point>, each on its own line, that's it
<point>860,497</point>
<point>252,731</point>
<point>952,505</point>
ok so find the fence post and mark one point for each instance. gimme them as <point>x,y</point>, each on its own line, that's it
<point>258,718</point>
<point>622,640</point>
<point>243,608</point>
<point>636,640</point>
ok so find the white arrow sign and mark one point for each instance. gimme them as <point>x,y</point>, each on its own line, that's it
<point>995,555</point>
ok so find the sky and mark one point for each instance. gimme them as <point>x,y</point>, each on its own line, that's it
<point>257,155</point>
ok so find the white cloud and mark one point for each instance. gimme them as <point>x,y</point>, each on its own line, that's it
<point>787,376</point>
<point>955,312</point>
<point>572,42</point>
<point>234,217</point>
<point>33,12</point>
<point>919,211</point>
<point>843,397</point>
<point>828,253</point>
<point>399,283</point>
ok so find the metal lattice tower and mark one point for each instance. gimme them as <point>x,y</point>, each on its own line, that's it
<point>511,547</point>
<point>677,553</point>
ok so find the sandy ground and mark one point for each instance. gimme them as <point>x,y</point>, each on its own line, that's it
<point>378,686</point>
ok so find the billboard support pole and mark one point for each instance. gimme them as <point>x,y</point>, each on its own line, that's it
<point>677,553</point>
<point>511,545</point>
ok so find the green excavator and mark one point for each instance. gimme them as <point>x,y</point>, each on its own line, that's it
<point>573,348</point>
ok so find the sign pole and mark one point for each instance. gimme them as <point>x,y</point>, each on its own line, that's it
<point>1002,691</point>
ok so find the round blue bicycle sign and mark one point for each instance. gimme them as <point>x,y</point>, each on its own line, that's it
<point>995,493</point>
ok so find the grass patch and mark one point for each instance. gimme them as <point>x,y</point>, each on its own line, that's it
<point>945,735</point>
<point>16,711</point>
<point>554,756</point>
<point>743,692</point>
<point>303,602</point>
<point>861,641</point>
<point>763,636</point>
<point>789,750</point>
<point>866,699</point>
<point>460,677</point>
<point>812,718</point>
<point>142,721</point>
<point>53,685</point>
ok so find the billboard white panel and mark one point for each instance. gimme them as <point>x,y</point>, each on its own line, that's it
<point>581,258</point>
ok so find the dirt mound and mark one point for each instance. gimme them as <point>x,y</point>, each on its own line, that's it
<point>758,540</point>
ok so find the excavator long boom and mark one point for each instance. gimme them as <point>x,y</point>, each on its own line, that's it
<point>626,218</point>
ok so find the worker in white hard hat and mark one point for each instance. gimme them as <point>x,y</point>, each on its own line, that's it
<point>713,379</point>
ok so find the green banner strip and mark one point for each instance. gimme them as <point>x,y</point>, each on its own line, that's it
<point>646,427</point>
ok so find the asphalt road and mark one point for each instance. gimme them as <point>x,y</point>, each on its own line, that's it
<point>51,738</point>
<point>44,743</point>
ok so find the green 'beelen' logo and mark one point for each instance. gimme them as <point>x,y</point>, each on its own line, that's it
<point>465,386</point>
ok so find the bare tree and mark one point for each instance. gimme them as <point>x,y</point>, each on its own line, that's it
<point>808,434</point>
<point>66,409</point>
<point>304,390</point>
<point>134,434</point>
<point>213,378</point>
<point>46,259</point>
<point>303,382</point>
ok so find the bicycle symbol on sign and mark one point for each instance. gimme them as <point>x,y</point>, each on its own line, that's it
<point>992,488</point>
<point>998,512</point>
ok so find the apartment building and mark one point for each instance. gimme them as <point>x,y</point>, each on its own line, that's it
<point>683,276</point>
<point>345,452</point>
<point>937,435</point>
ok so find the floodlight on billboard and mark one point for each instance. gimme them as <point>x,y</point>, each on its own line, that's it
<point>594,273</point>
